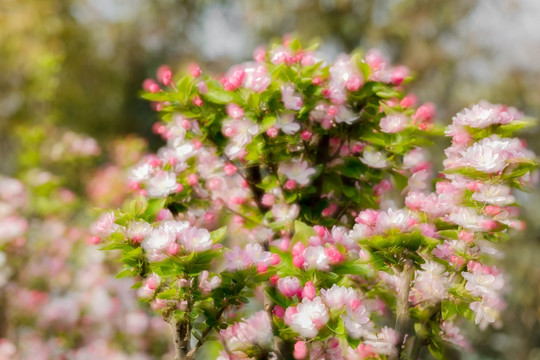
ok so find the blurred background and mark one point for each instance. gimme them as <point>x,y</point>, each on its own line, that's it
<point>75,67</point>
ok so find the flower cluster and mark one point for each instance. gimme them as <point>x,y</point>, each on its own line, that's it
<point>277,193</point>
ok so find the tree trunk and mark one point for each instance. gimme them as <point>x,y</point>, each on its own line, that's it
<point>181,338</point>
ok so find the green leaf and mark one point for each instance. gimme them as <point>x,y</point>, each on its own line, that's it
<point>138,206</point>
<point>302,232</point>
<point>450,234</point>
<point>376,138</point>
<point>353,268</point>
<point>115,246</point>
<point>153,208</point>
<point>167,294</point>
<point>219,96</point>
<point>508,130</point>
<point>124,273</point>
<point>268,122</point>
<point>353,168</point>
<point>448,309</point>
<point>217,235</point>
<point>400,180</point>
<point>159,96</point>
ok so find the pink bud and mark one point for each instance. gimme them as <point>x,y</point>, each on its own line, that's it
<point>215,183</point>
<point>474,186</point>
<point>306,135</point>
<point>358,147</point>
<point>259,54</point>
<point>316,80</point>
<point>152,283</point>
<point>332,111</point>
<point>354,83</point>
<point>298,260</point>
<point>272,132</point>
<point>238,219</point>
<point>334,255</point>
<point>262,267</point>
<point>354,304</point>
<point>424,113</point>
<point>398,74</point>
<point>158,128</point>
<point>487,225</point>
<point>237,200</point>
<point>151,86</point>
<point>202,87</point>
<point>197,144</point>
<point>164,214</point>
<point>230,169</point>
<point>274,280</point>
<point>493,210</point>
<point>309,291</point>
<point>290,184</point>
<point>185,123</point>
<point>298,249</point>
<point>155,162</point>
<point>173,248</point>
<point>164,74</point>
<point>156,106</point>
<point>268,200</point>
<point>408,101</point>
<point>466,236</point>
<point>209,216</point>
<point>134,186</point>
<point>179,188</point>
<point>284,244</point>
<point>194,70</point>
<point>193,179</point>
<point>279,311</point>
<point>300,350</point>
<point>95,240</point>
<point>518,225</point>
<point>458,261</point>
<point>235,111</point>
<point>197,101</point>
<point>274,259</point>
<point>320,230</point>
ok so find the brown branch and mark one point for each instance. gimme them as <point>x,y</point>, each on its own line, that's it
<point>205,333</point>
<point>181,338</point>
<point>402,306</point>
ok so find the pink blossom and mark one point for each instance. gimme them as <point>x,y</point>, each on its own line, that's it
<point>309,291</point>
<point>291,99</point>
<point>256,78</point>
<point>393,123</point>
<point>233,79</point>
<point>297,170</point>
<point>311,316</point>
<point>289,286</point>
<point>338,296</point>
<point>235,111</point>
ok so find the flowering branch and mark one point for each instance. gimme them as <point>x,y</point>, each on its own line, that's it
<point>274,190</point>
